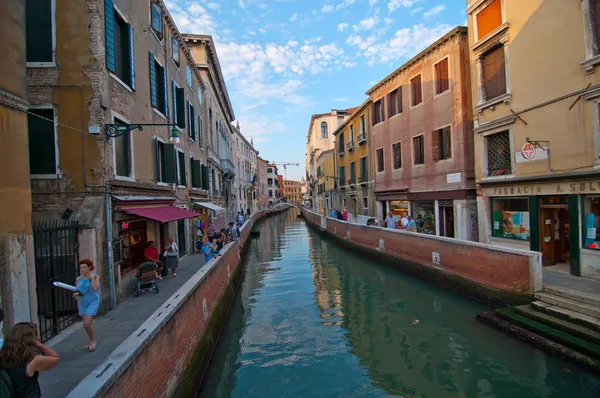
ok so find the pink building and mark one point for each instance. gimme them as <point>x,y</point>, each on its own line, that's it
<point>422,140</point>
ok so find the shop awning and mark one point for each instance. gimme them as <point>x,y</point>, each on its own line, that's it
<point>210,206</point>
<point>162,214</point>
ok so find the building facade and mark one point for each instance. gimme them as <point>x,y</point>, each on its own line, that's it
<point>292,191</point>
<point>537,135</point>
<point>262,184</point>
<point>422,139</point>
<point>326,181</point>
<point>17,272</point>
<point>354,168</point>
<point>245,184</point>
<point>320,138</point>
<point>273,196</point>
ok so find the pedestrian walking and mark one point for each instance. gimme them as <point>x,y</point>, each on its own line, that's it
<point>172,255</point>
<point>88,299</point>
<point>391,221</point>
<point>20,361</point>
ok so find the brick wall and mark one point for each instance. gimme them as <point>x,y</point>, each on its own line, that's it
<point>495,269</point>
<point>155,360</point>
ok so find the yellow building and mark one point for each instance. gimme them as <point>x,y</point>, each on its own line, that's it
<point>325,179</point>
<point>292,191</point>
<point>535,92</point>
<point>354,168</point>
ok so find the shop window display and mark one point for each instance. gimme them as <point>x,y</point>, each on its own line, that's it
<point>424,216</point>
<point>510,218</point>
<point>591,223</point>
<point>399,207</point>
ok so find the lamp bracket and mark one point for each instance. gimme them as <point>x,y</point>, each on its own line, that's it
<point>116,130</point>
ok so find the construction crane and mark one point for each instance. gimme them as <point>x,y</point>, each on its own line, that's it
<point>285,167</point>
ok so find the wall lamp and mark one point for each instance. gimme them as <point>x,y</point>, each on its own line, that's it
<point>116,130</point>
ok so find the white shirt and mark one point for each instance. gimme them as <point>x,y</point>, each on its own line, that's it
<point>404,222</point>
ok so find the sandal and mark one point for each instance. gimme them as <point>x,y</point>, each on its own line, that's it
<point>92,348</point>
<point>86,348</point>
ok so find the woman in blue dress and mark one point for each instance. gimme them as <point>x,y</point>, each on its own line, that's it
<point>88,299</point>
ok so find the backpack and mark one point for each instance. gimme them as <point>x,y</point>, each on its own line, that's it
<point>6,388</point>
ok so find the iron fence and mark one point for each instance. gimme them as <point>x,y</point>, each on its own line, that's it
<point>56,259</point>
<point>499,158</point>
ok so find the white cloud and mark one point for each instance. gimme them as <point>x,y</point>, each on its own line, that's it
<point>373,2</point>
<point>263,6</point>
<point>396,4</point>
<point>388,20</point>
<point>341,27</point>
<point>416,10</point>
<point>242,4</point>
<point>327,8</point>
<point>366,24</point>
<point>194,19</point>
<point>214,6</point>
<point>262,30</point>
<point>434,11</point>
<point>340,6</point>
<point>294,17</point>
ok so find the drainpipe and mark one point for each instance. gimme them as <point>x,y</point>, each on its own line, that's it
<point>109,251</point>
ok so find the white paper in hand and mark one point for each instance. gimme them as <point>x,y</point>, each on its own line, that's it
<point>65,286</point>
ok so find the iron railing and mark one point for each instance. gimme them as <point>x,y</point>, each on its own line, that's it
<point>56,260</point>
<point>350,145</point>
<point>499,159</point>
<point>362,138</point>
<point>363,178</point>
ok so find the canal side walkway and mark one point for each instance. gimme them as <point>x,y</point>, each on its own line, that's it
<point>111,330</point>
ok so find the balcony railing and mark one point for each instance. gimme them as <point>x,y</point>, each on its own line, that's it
<point>362,138</point>
<point>227,165</point>
<point>350,145</point>
<point>352,181</point>
<point>341,149</point>
<point>363,179</point>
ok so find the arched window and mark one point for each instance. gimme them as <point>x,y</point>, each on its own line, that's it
<point>323,130</point>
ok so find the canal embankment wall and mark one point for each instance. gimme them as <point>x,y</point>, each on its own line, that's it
<point>490,274</point>
<point>168,354</point>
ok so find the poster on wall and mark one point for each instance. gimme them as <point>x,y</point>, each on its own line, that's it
<point>515,225</point>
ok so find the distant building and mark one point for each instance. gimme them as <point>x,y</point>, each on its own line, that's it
<point>262,184</point>
<point>272,184</point>
<point>325,183</point>
<point>292,191</point>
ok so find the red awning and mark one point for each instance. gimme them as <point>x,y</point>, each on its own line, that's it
<point>162,214</point>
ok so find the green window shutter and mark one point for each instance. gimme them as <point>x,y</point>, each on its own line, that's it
<point>574,230</point>
<point>196,174</point>
<point>170,164</point>
<point>109,35</point>
<point>182,171</point>
<point>534,223</point>
<point>181,108</point>
<point>131,59</point>
<point>204,177</point>
<point>42,156</point>
<point>156,159</point>
<point>166,92</point>
<point>174,87</point>
<point>153,95</point>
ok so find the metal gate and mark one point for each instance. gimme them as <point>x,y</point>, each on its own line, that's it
<point>56,259</point>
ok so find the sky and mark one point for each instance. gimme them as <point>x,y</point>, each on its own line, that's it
<point>284,60</point>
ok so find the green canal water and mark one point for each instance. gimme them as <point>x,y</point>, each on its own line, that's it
<point>312,319</point>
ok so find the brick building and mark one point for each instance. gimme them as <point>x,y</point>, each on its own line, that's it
<point>422,140</point>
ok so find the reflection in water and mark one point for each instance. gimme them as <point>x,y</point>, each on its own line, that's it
<point>313,319</point>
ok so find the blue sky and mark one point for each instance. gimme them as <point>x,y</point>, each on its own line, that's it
<point>284,60</point>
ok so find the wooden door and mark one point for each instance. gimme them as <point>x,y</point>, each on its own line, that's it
<point>553,242</point>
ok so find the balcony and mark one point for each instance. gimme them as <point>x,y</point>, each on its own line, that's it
<point>352,181</point>
<point>228,168</point>
<point>362,138</point>
<point>341,149</point>
<point>363,179</point>
<point>350,146</point>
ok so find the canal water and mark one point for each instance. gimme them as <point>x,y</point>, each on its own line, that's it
<point>312,319</point>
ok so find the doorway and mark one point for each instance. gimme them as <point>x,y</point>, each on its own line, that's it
<point>446,210</point>
<point>181,238</point>
<point>554,229</point>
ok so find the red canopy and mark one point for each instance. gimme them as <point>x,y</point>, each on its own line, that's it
<point>162,214</point>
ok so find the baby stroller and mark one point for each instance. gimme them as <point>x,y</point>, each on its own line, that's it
<point>145,278</point>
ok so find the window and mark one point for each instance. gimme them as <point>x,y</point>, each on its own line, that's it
<point>397,155</point>
<point>365,202</point>
<point>416,90</point>
<point>441,76</point>
<point>363,169</point>
<point>489,18</point>
<point>351,138</point>
<point>210,124</point>
<point>442,144</point>
<point>188,74</point>
<point>124,67</point>
<point>395,102</point>
<point>418,150</point>
<point>510,218</point>
<point>39,31</point>
<point>42,142</point>
<point>424,215</point>
<point>498,154</point>
<point>158,86</point>
<point>378,115</point>
<point>191,121</point>
<point>342,175</point>
<point>362,125</point>
<point>323,130</point>
<point>156,19</point>
<point>340,142</point>
<point>175,51</point>
<point>178,106</point>
<point>200,135</point>
<point>591,222</point>
<point>197,172</point>
<point>165,165</point>
<point>494,73</point>
<point>353,172</point>
<point>123,150</point>
<point>199,95</point>
<point>181,168</point>
<point>269,170</point>
<point>380,164</point>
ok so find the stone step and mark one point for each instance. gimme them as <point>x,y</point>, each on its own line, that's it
<point>560,324</point>
<point>586,347</point>
<point>575,295</point>
<point>575,317</point>
<point>569,304</point>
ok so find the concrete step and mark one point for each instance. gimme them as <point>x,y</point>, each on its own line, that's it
<point>575,317</point>
<point>560,324</point>
<point>575,295</point>
<point>573,305</point>
<point>586,347</point>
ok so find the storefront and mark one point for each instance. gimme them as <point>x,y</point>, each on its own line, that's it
<point>210,212</point>
<point>561,219</point>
